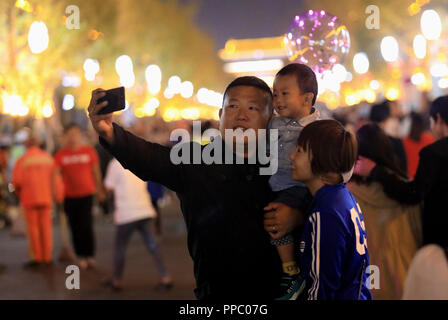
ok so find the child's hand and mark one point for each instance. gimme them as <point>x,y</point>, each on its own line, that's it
<point>281,219</point>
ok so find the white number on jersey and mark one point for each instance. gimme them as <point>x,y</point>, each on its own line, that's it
<point>360,231</point>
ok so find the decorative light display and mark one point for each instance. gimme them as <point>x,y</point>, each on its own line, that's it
<point>318,39</point>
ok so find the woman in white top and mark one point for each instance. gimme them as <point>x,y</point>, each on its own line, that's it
<point>428,275</point>
<point>133,212</point>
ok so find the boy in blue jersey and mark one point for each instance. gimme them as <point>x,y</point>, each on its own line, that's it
<point>295,92</point>
<point>333,247</point>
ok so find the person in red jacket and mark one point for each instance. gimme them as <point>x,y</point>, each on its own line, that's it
<point>418,139</point>
<point>36,182</point>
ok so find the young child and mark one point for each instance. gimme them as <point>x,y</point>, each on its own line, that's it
<point>333,247</point>
<point>295,92</point>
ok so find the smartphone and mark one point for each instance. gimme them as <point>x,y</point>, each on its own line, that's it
<point>115,99</point>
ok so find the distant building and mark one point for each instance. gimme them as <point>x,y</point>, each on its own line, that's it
<point>261,57</point>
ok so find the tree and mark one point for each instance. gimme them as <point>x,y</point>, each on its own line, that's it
<point>150,31</point>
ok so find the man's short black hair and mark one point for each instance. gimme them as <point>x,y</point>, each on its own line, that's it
<point>439,106</point>
<point>306,78</point>
<point>251,81</point>
<point>71,126</point>
<point>380,112</point>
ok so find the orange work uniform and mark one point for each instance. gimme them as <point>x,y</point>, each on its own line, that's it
<point>33,178</point>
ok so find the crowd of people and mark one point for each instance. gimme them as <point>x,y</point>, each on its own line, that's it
<point>63,187</point>
<point>360,190</point>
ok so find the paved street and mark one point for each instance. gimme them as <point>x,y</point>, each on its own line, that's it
<point>140,272</point>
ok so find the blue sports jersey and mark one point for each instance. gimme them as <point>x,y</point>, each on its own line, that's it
<point>333,247</point>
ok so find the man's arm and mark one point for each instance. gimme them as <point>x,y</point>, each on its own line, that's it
<point>98,183</point>
<point>285,219</point>
<point>408,192</point>
<point>57,185</point>
<point>147,160</point>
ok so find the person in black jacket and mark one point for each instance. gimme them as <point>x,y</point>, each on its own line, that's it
<point>430,184</point>
<point>381,114</point>
<point>222,204</point>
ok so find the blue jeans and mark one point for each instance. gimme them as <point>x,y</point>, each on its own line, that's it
<point>122,237</point>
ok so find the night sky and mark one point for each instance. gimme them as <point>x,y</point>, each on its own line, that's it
<point>224,19</point>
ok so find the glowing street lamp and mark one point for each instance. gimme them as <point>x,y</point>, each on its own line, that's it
<point>91,68</point>
<point>68,102</point>
<point>175,84</point>
<point>153,76</point>
<point>38,38</point>
<point>374,85</point>
<point>124,68</point>
<point>389,49</point>
<point>431,24</point>
<point>419,45</point>
<point>361,63</point>
<point>186,89</point>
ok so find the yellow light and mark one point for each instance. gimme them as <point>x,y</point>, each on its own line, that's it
<point>94,34</point>
<point>443,83</point>
<point>370,95</point>
<point>389,49</point>
<point>418,78</point>
<point>269,80</point>
<point>150,112</point>
<point>413,9</point>
<point>139,113</point>
<point>38,38</point>
<point>361,63</point>
<point>350,100</point>
<point>171,114</point>
<point>419,46</point>
<point>374,85</point>
<point>13,105</point>
<point>24,5</point>
<point>253,66</point>
<point>47,110</point>
<point>431,24</point>
<point>425,85</point>
<point>441,56</point>
<point>230,46</point>
<point>392,94</point>
<point>396,73</point>
<point>190,113</point>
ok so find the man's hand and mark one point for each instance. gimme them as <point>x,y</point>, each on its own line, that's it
<point>101,196</point>
<point>364,166</point>
<point>102,123</point>
<point>281,219</point>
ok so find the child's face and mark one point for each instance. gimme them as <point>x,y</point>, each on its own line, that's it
<point>289,101</point>
<point>301,164</point>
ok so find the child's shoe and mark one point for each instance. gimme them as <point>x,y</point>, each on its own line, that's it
<point>291,286</point>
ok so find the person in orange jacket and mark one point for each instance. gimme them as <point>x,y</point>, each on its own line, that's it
<point>36,181</point>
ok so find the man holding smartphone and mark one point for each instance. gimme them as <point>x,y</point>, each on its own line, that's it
<point>222,204</point>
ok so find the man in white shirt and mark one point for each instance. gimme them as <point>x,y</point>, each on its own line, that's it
<point>133,211</point>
